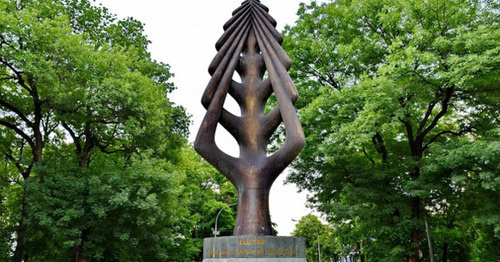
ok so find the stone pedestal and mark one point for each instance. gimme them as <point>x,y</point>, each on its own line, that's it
<point>254,249</point>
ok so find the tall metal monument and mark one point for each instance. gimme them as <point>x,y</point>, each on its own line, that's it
<point>251,46</point>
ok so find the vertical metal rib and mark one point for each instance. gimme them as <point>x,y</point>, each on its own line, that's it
<point>232,29</point>
<point>226,45</point>
<point>237,15</point>
<point>215,80</point>
<point>271,59</point>
<point>268,31</point>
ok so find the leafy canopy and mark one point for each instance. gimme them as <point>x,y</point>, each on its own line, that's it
<point>399,103</point>
<point>94,154</point>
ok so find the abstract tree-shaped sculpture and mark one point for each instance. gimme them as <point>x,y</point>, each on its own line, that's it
<point>251,45</point>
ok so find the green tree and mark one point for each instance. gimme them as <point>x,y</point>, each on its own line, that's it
<point>400,109</point>
<point>10,191</point>
<point>139,208</point>
<point>320,239</point>
<point>72,71</point>
<point>207,192</point>
<point>116,209</point>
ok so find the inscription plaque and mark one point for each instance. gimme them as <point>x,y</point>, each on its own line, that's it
<point>250,247</point>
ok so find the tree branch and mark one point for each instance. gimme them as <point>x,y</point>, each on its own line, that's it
<point>10,157</point>
<point>18,131</point>
<point>378,142</point>
<point>76,139</point>
<point>3,41</point>
<point>367,156</point>
<point>409,131</point>
<point>375,28</point>
<point>426,117</point>
<point>12,181</point>
<point>424,79</point>
<point>7,78</point>
<point>101,121</point>
<point>48,129</point>
<point>104,150</point>
<point>330,75</point>
<point>321,77</point>
<point>444,109</point>
<point>460,133</point>
<point>20,79</point>
<point>17,111</point>
<point>332,80</point>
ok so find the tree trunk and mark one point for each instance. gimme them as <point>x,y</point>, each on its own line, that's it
<point>415,215</point>
<point>83,155</point>
<point>37,130</point>
<point>361,254</point>
<point>79,249</point>
<point>253,213</point>
<point>38,150</point>
<point>19,255</point>
<point>429,240</point>
<point>445,251</point>
<point>415,233</point>
<point>80,257</point>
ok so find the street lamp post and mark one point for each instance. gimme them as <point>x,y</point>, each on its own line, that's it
<point>319,250</point>
<point>319,246</point>
<point>217,218</point>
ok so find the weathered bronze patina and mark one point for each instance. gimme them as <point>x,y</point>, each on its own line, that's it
<point>251,46</point>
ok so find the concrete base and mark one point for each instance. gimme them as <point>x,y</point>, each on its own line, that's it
<point>254,249</point>
<point>255,260</point>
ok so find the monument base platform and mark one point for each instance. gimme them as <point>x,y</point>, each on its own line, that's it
<point>255,260</point>
<point>254,249</point>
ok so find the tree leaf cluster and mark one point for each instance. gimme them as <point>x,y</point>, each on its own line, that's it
<point>320,239</point>
<point>399,104</point>
<point>95,163</point>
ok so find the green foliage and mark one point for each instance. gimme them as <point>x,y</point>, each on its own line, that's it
<point>10,196</point>
<point>129,207</point>
<point>314,232</point>
<point>94,159</point>
<point>400,109</point>
<point>207,192</point>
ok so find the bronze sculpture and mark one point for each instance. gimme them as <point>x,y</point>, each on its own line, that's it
<point>251,46</point>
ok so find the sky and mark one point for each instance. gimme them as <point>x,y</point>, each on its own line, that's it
<point>183,35</point>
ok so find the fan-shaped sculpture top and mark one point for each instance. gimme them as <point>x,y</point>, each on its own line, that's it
<point>251,46</point>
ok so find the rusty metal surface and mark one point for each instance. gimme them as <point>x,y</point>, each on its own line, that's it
<point>251,46</point>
